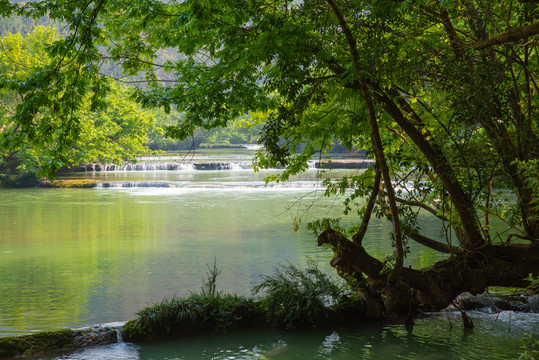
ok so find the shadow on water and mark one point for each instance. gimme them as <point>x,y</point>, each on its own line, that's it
<point>435,336</point>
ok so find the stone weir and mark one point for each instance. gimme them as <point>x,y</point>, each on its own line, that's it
<point>165,166</point>
<point>220,165</point>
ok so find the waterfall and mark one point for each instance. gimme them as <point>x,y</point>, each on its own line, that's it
<point>533,302</point>
<point>119,337</point>
<point>222,166</point>
<point>135,184</point>
<point>252,147</point>
<point>219,165</point>
<point>168,166</point>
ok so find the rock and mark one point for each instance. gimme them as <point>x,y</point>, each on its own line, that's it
<point>494,303</point>
<point>15,346</point>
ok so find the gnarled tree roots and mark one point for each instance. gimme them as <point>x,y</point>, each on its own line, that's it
<point>407,290</point>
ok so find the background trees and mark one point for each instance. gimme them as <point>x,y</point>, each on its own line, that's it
<point>117,131</point>
<point>445,95</point>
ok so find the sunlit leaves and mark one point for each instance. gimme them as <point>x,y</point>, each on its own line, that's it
<point>50,129</point>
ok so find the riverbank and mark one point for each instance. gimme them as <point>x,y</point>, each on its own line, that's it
<point>206,314</point>
<point>68,183</point>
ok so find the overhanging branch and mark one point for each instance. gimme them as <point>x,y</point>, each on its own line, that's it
<point>432,244</point>
<point>509,36</point>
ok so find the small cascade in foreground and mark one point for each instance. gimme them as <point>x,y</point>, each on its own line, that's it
<point>495,303</point>
<point>119,337</point>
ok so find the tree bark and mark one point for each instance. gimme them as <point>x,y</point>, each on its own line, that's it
<point>377,141</point>
<point>433,288</point>
<point>509,36</point>
<point>358,236</point>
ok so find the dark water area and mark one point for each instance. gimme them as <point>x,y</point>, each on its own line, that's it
<point>435,336</point>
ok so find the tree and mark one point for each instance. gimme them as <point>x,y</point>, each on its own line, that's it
<point>115,132</point>
<point>443,93</point>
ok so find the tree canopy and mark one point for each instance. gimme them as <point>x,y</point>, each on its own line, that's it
<point>115,132</point>
<point>443,93</point>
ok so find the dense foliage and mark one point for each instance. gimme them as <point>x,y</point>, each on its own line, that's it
<point>443,93</point>
<point>116,131</point>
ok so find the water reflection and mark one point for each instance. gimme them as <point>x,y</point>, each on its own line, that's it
<point>78,257</point>
<point>432,338</point>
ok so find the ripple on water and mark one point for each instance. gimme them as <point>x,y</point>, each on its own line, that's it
<point>434,337</point>
<point>123,351</point>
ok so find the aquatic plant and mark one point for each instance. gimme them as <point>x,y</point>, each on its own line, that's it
<point>292,296</point>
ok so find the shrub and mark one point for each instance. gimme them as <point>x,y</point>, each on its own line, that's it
<point>295,297</point>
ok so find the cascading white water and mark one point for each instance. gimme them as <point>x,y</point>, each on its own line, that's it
<point>119,337</point>
<point>219,165</point>
<point>134,184</point>
<point>169,166</point>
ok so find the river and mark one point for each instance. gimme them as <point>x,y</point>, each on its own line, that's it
<point>78,257</point>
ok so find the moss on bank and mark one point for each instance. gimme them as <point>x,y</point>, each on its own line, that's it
<point>32,181</point>
<point>36,343</point>
<point>47,341</point>
<point>69,183</point>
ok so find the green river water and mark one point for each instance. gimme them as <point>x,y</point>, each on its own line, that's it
<point>78,257</point>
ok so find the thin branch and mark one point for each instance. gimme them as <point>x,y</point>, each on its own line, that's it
<point>431,243</point>
<point>377,141</point>
<point>358,236</point>
<point>420,205</point>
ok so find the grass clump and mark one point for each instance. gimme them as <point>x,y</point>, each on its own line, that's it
<point>208,310</point>
<point>290,297</point>
<point>196,312</point>
<point>295,297</point>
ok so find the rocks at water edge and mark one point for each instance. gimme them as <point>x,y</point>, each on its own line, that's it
<point>495,303</point>
<point>67,339</point>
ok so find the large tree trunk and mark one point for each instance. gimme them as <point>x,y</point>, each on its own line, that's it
<point>431,289</point>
